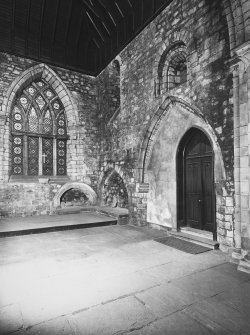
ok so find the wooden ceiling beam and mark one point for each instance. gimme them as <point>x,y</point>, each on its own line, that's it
<point>41,28</point>
<point>12,31</point>
<point>79,34</point>
<point>69,18</point>
<point>98,21</point>
<point>27,27</point>
<point>54,30</point>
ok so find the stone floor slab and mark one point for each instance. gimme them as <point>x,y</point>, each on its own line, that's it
<point>238,298</point>
<point>112,318</point>
<point>10,319</point>
<point>59,326</point>
<point>220,318</point>
<point>206,283</point>
<point>180,324</point>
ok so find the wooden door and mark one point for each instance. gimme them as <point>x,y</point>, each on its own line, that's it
<point>198,174</point>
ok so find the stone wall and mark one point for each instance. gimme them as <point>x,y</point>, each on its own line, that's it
<point>201,28</point>
<point>78,94</point>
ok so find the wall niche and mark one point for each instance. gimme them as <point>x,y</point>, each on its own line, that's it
<point>74,197</point>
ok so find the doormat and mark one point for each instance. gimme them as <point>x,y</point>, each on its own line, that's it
<point>186,246</point>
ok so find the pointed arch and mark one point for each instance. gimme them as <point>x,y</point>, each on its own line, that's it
<point>39,74</point>
<point>41,71</point>
<point>115,177</point>
<point>158,162</point>
<point>150,134</point>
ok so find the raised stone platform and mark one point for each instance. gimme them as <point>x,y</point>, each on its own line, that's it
<point>48,223</point>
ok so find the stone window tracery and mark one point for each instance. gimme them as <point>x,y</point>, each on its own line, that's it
<point>38,132</point>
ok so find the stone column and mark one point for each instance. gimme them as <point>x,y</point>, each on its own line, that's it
<point>242,158</point>
<point>236,254</point>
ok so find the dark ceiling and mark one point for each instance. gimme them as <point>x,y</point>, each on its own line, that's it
<point>81,35</point>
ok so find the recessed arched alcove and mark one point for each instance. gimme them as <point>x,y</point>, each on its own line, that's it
<point>74,194</point>
<point>74,197</point>
<point>113,190</point>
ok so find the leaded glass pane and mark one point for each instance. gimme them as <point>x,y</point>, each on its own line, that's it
<point>17,155</point>
<point>56,107</point>
<point>31,90</point>
<point>33,154</point>
<point>47,156</point>
<point>40,101</point>
<point>24,101</point>
<point>47,123</point>
<point>61,157</point>
<point>33,121</point>
<point>49,94</point>
<point>17,120</point>
<point>61,125</point>
<point>40,83</point>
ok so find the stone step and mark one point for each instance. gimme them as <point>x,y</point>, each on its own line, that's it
<point>37,225</point>
<point>196,238</point>
<point>119,214</point>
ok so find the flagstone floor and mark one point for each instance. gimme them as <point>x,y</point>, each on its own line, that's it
<point>117,280</point>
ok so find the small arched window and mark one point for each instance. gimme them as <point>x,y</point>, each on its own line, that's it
<point>177,70</point>
<point>172,68</point>
<point>39,132</point>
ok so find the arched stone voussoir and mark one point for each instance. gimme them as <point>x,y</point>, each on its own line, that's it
<point>86,189</point>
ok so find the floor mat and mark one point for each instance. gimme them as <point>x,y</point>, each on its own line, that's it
<point>186,246</point>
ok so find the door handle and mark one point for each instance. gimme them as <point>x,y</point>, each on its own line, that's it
<point>199,200</point>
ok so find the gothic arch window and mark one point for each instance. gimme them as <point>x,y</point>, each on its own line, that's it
<point>38,132</point>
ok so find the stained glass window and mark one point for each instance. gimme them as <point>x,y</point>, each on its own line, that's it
<point>39,132</point>
<point>33,121</point>
<point>47,123</point>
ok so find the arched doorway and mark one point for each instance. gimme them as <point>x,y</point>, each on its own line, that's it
<point>195,182</point>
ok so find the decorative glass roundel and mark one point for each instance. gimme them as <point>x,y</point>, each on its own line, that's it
<point>61,123</point>
<point>61,170</point>
<point>31,90</point>
<point>61,152</point>
<point>61,161</point>
<point>56,105</point>
<point>17,140</point>
<point>17,170</point>
<point>49,94</point>
<point>61,144</point>
<point>18,116</point>
<point>17,126</point>
<point>40,84</point>
<point>17,150</point>
<point>17,160</point>
<point>61,131</point>
<point>23,100</point>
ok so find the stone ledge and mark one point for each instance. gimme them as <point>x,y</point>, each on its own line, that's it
<point>121,214</point>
